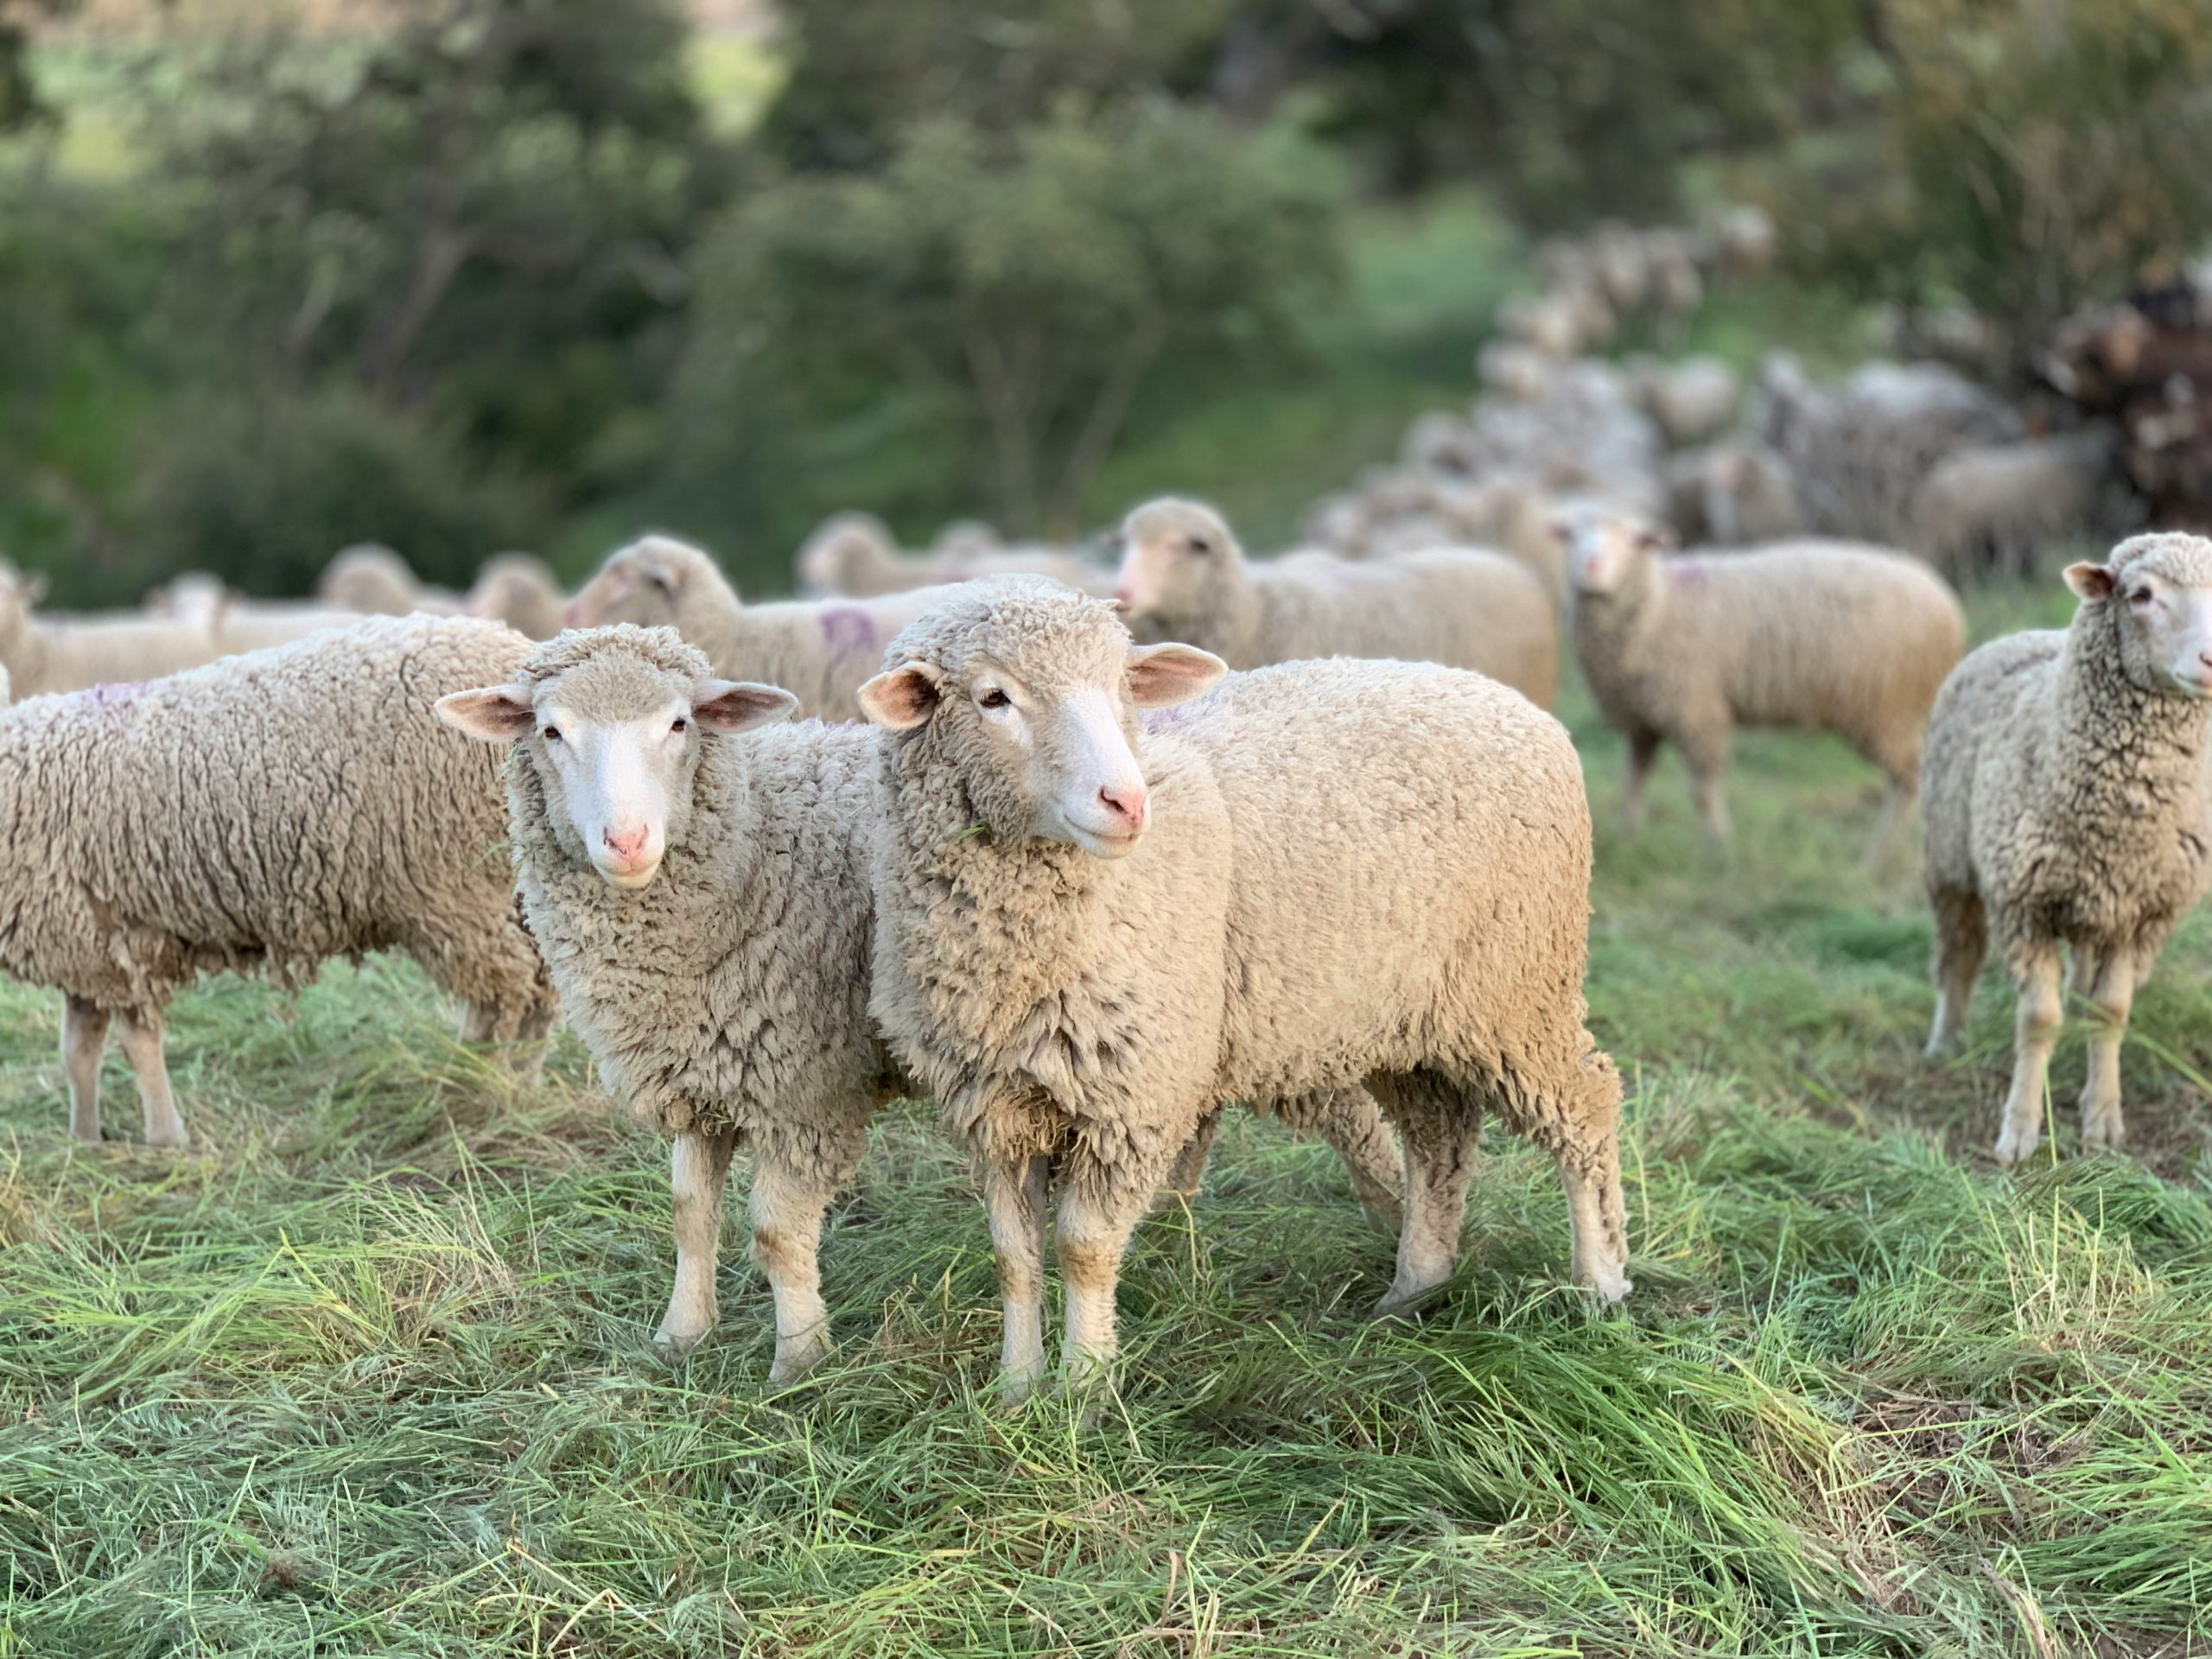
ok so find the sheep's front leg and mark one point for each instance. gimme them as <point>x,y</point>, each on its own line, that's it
<point>1014,1198</point>
<point>788,1204</point>
<point>1642,750</point>
<point>142,1047</point>
<point>1096,1217</point>
<point>2107,981</point>
<point>84,1033</point>
<point>698,1171</point>
<point>2035,974</point>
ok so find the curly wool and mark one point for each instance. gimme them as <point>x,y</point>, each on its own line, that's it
<point>1824,636</point>
<point>266,813</point>
<point>732,991</point>
<point>1457,608</point>
<point>821,651</point>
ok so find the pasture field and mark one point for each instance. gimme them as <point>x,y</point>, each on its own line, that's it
<point>367,1371</point>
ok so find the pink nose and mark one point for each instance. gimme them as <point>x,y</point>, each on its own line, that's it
<point>1126,803</point>
<point>627,845</point>
<point>1125,596</point>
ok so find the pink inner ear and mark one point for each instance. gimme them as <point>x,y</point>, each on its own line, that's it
<point>496,713</point>
<point>1160,674</point>
<point>724,706</point>
<point>899,698</point>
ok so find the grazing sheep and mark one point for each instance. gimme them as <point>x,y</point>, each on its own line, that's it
<point>266,813</point>
<point>819,651</point>
<point>1995,507</point>
<point>1184,577</point>
<point>520,590</point>
<point>45,653</point>
<point>2068,803</point>
<point>1094,927</point>
<point>369,578</point>
<point>1822,635</point>
<point>852,555</point>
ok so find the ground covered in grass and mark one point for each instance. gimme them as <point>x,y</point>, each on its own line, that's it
<point>367,1371</point>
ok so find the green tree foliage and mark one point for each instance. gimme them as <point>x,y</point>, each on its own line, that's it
<point>20,102</point>
<point>1029,287</point>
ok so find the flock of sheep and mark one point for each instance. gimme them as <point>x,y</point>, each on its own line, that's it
<point>1088,851</point>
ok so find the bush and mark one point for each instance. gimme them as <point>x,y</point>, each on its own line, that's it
<point>262,490</point>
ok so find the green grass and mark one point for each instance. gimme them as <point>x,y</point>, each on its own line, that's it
<point>367,1372</point>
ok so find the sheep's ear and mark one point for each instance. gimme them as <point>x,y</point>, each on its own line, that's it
<point>901,698</point>
<point>30,590</point>
<point>1160,675</point>
<point>496,713</point>
<point>1657,538</point>
<point>1558,526</point>
<point>2090,581</point>
<point>739,705</point>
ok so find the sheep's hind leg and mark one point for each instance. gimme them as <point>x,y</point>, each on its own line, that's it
<point>1014,1198</point>
<point>2106,979</point>
<point>1597,1211</point>
<point>84,1033</point>
<point>1643,749</point>
<point>698,1171</point>
<point>1439,1125</point>
<point>1707,755</point>
<point>1961,941</point>
<point>142,1047</point>
<point>2034,973</point>
<point>1352,1122</point>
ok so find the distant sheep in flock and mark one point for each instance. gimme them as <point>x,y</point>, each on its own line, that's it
<point>519,590</point>
<point>1997,506</point>
<point>1184,577</point>
<point>237,624</point>
<point>1828,636</point>
<point>854,555</point>
<point>371,579</point>
<point>44,654</point>
<point>2068,803</point>
<point>266,813</point>
<point>818,650</point>
<point>1099,916</point>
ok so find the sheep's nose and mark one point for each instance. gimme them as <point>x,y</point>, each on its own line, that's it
<point>628,844</point>
<point>1123,597</point>
<point>1126,802</point>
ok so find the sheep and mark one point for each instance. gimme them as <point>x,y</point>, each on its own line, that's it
<point>2068,803</point>
<point>1826,635</point>
<point>819,651</point>
<point>1995,506</point>
<point>1746,240</point>
<point>852,555</point>
<point>1514,370</point>
<point>519,590</point>
<point>44,654</point>
<point>371,579</point>
<point>1691,400</point>
<point>7,687</point>
<point>1094,923</point>
<point>237,623</point>
<point>1749,494</point>
<point>265,813</point>
<point>1184,577</point>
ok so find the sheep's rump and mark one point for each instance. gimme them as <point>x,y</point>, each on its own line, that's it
<point>1987,696</point>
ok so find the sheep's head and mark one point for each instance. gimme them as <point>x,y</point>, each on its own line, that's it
<point>646,584</point>
<point>1606,552</point>
<point>611,720</point>
<point>518,589</point>
<point>1176,557</point>
<point>19,595</point>
<point>1027,691</point>
<point>843,548</point>
<point>368,577</point>
<point>2154,593</point>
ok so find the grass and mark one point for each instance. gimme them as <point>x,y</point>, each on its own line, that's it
<point>367,1371</point>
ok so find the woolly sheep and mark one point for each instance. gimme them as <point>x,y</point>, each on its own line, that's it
<point>1692,399</point>
<point>237,623</point>
<point>372,580</point>
<point>853,555</point>
<point>819,651</point>
<point>1750,494</point>
<point>1823,635</point>
<point>265,813</point>
<point>1095,926</point>
<point>2068,803</point>
<point>1511,369</point>
<point>1745,240</point>
<point>520,590</point>
<point>45,653</point>
<point>1997,506</point>
<point>1184,577</point>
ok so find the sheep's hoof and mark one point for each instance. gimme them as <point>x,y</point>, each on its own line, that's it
<point>673,1341</point>
<point>1018,1385</point>
<point>176,1140</point>
<point>1611,1283</point>
<point>2103,1132</point>
<point>1408,1304</point>
<point>2011,1148</point>
<point>795,1360</point>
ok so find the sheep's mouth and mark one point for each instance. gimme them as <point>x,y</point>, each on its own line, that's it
<point>2197,688</point>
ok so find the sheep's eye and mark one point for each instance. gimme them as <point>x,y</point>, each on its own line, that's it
<point>994,698</point>
<point>551,733</point>
<point>679,724</point>
<point>2142,596</point>
<point>1199,545</point>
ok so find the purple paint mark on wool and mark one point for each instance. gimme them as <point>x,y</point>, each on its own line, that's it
<point>1167,719</point>
<point>848,629</point>
<point>112,694</point>
<point>1689,572</point>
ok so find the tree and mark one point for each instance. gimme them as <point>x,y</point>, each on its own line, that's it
<point>1042,279</point>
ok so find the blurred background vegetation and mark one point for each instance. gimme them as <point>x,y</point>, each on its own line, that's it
<point>460,275</point>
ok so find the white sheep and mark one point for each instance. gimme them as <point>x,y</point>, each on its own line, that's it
<point>2068,803</point>
<point>46,653</point>
<point>1184,577</point>
<point>1095,925</point>
<point>1692,399</point>
<point>372,580</point>
<point>520,590</point>
<point>1826,636</point>
<point>1512,369</point>
<point>820,651</point>
<point>1746,240</point>
<point>854,555</point>
<point>265,814</point>
<point>238,624</point>
<point>1997,507</point>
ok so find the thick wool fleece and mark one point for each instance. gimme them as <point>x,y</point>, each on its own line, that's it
<point>1459,608</point>
<point>1823,635</point>
<point>1354,872</point>
<point>268,813</point>
<point>821,651</point>
<point>2068,801</point>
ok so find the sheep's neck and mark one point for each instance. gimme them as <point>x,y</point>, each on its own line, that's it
<point>1231,624</point>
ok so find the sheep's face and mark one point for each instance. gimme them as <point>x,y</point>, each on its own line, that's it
<point>1175,557</point>
<point>1034,708</point>
<point>18,593</point>
<point>1605,555</point>
<point>614,742</point>
<point>2156,591</point>
<point>643,584</point>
